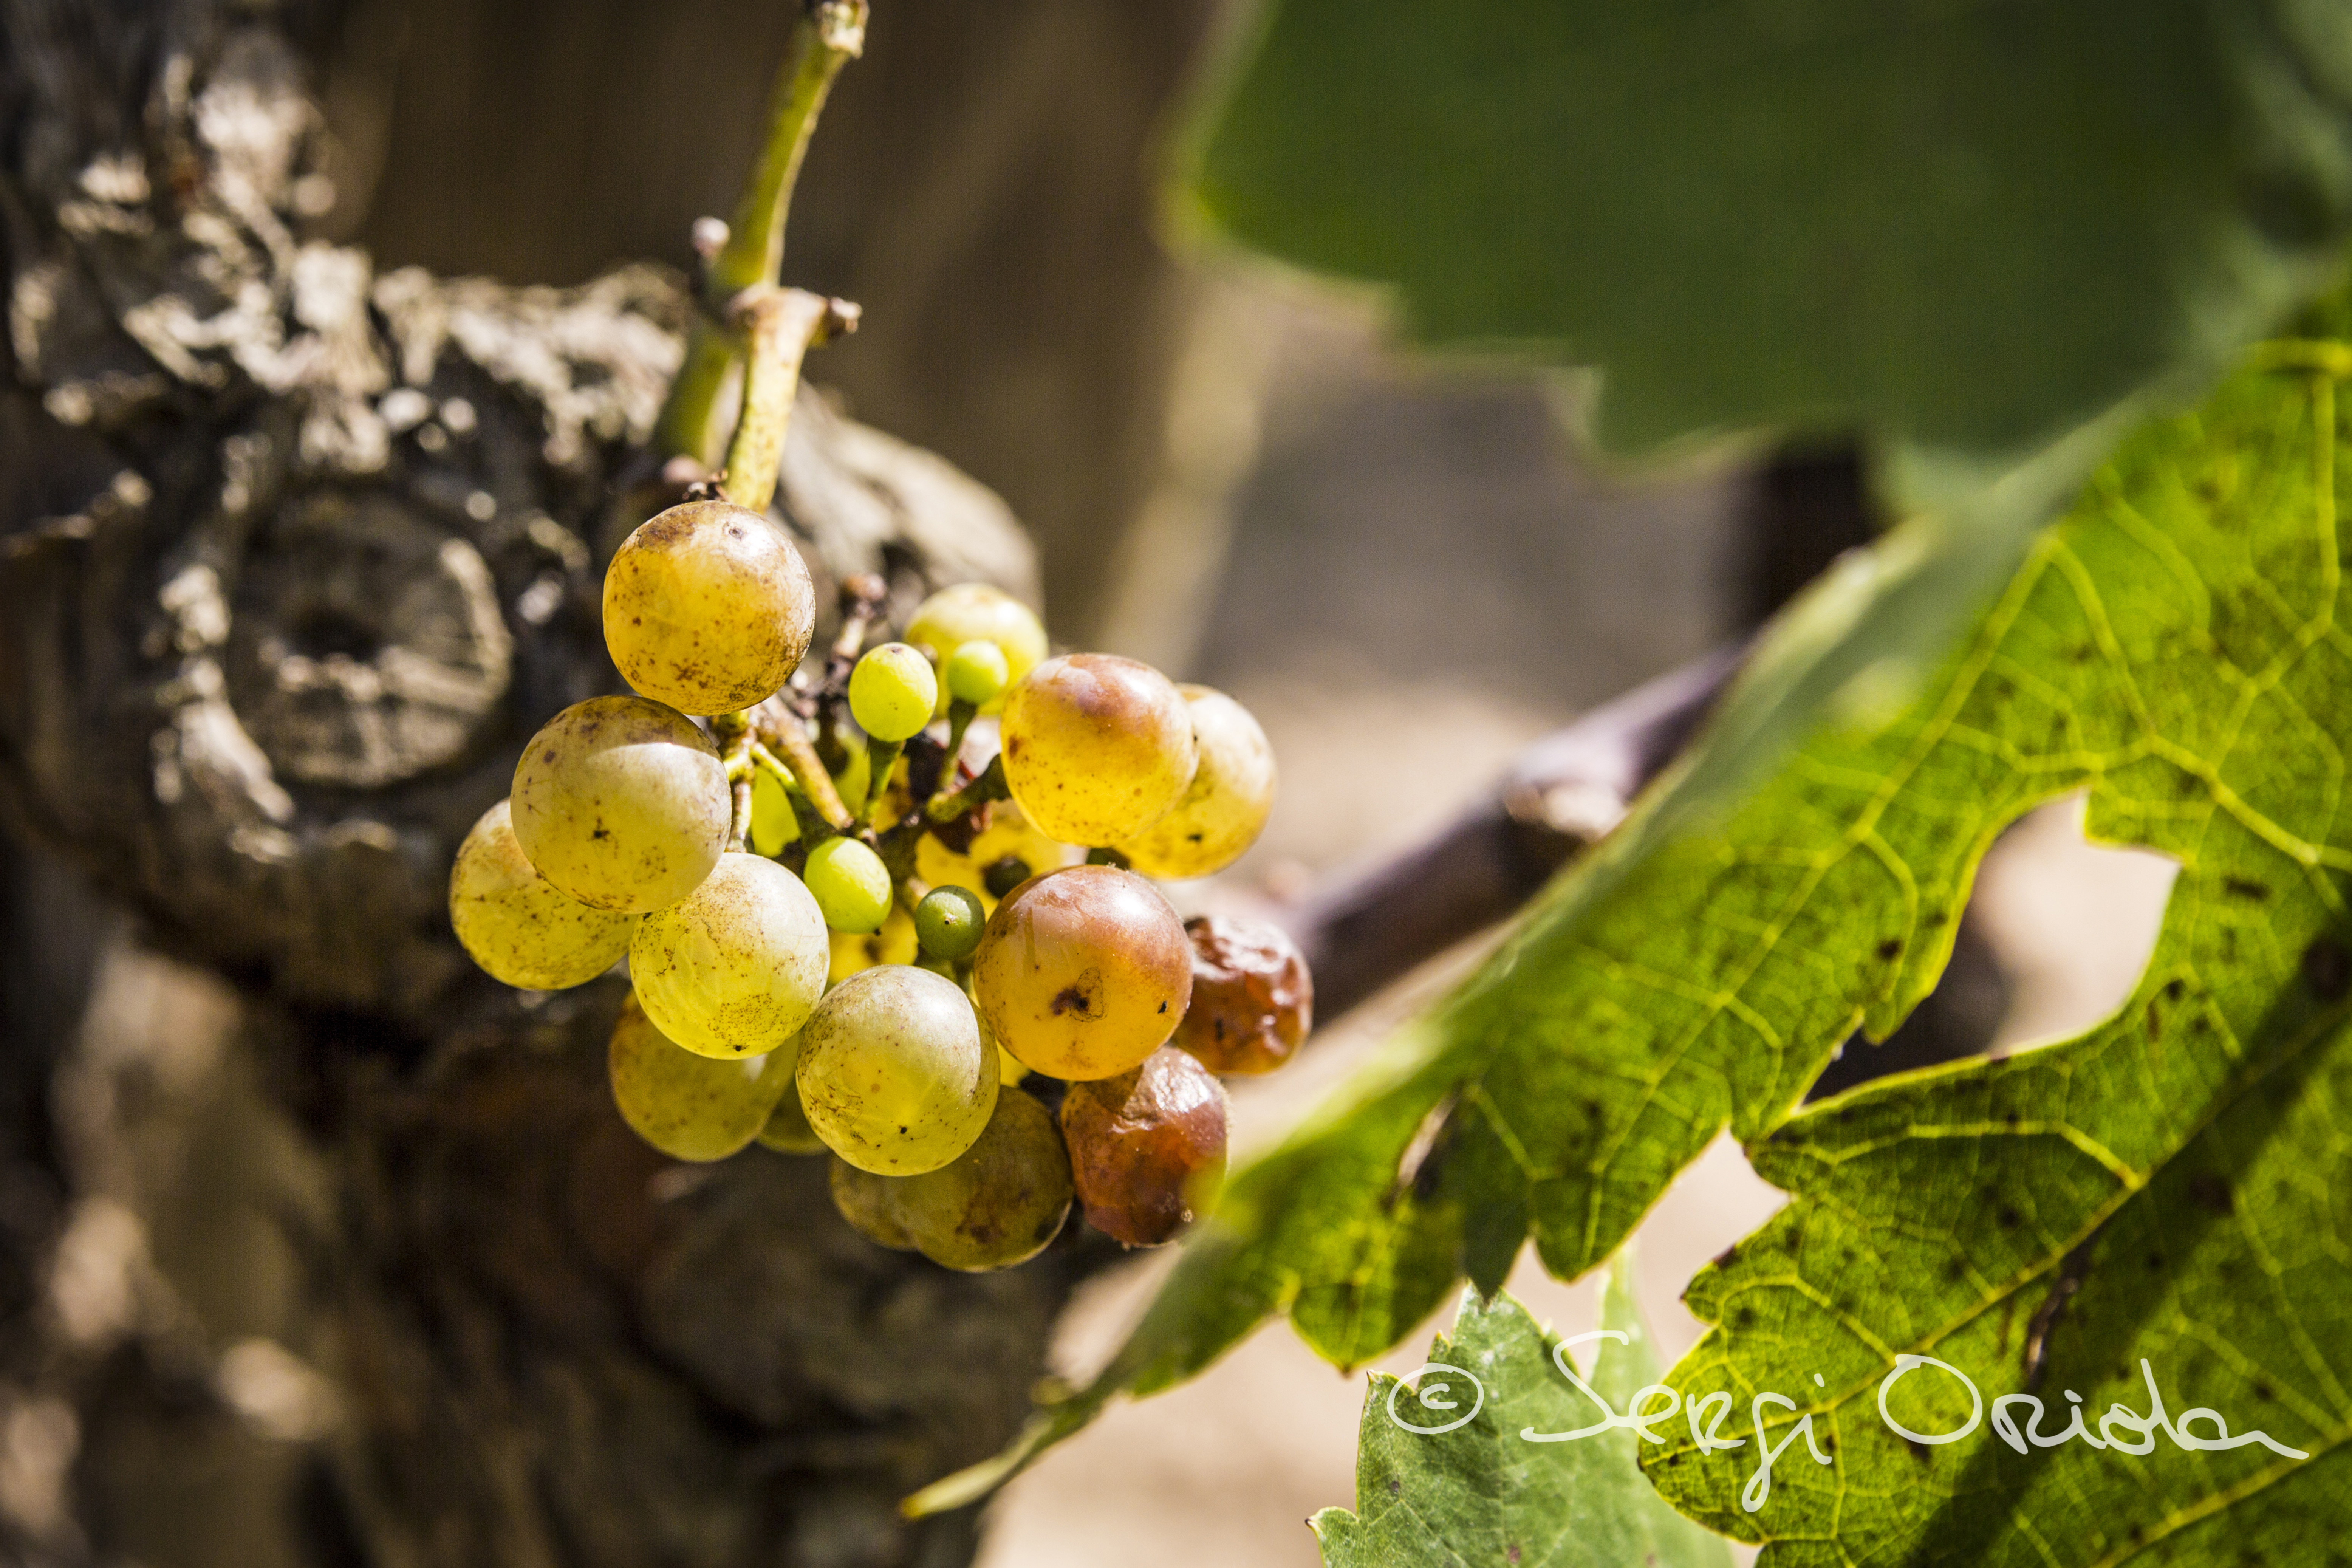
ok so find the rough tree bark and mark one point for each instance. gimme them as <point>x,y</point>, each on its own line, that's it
<point>348,1258</point>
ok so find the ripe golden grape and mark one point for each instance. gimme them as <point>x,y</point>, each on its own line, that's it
<point>735,967</point>
<point>708,607</point>
<point>692,1107</point>
<point>1224,807</point>
<point>1097,748</point>
<point>893,1073</point>
<point>519,926</point>
<point>622,803</point>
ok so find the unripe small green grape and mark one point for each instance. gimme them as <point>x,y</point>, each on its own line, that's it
<point>863,1199</point>
<point>773,825</point>
<point>1097,748</point>
<point>708,607</point>
<point>734,968</point>
<point>978,672</point>
<point>692,1107</point>
<point>1083,972</point>
<point>788,1131</point>
<point>892,691</point>
<point>519,926</point>
<point>973,612</point>
<point>851,884</point>
<point>1225,805</point>
<point>893,1073</point>
<point>622,803</point>
<point>948,923</point>
<point>997,1204</point>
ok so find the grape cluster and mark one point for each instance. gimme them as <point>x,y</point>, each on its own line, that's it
<point>849,927</point>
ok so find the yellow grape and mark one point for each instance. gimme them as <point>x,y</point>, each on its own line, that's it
<point>687,1106</point>
<point>893,1073</point>
<point>999,1202</point>
<point>852,950</point>
<point>1224,807</point>
<point>708,607</point>
<point>733,968</point>
<point>622,803</point>
<point>521,926</point>
<point>1083,972</point>
<point>1097,748</point>
<point>788,1131</point>
<point>975,612</point>
<point>773,825</point>
<point>864,1200</point>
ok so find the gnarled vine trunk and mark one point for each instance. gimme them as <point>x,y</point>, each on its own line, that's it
<point>317,1247</point>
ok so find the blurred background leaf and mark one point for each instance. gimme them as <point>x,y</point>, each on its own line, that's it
<point>1966,225</point>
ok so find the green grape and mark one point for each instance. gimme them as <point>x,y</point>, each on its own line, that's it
<point>975,612</point>
<point>1224,807</point>
<point>891,692</point>
<point>999,1202</point>
<point>1097,748</point>
<point>1146,1147</point>
<point>1002,876</point>
<point>788,1131</point>
<point>687,1106</point>
<point>851,884</point>
<point>708,607</point>
<point>893,1074</point>
<point>978,672</point>
<point>1083,972</point>
<point>732,969</point>
<point>774,825</point>
<point>521,926</point>
<point>864,1200</point>
<point>622,803</point>
<point>948,923</point>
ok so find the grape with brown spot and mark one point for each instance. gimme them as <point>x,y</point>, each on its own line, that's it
<point>1083,972</point>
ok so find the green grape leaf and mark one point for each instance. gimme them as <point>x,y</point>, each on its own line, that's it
<point>2155,1216</point>
<point>1966,225</point>
<point>1431,1497</point>
<point>1562,1088</point>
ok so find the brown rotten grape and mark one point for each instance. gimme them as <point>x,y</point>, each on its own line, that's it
<point>1083,972</point>
<point>999,1202</point>
<point>1253,1000</point>
<point>1147,1146</point>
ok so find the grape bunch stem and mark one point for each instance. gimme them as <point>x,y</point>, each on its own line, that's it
<point>828,35</point>
<point>780,326</point>
<point>784,741</point>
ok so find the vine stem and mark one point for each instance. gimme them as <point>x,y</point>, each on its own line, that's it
<point>828,35</point>
<point>780,729</point>
<point>783,325</point>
